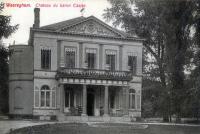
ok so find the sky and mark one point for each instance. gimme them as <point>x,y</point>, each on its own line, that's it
<point>24,16</point>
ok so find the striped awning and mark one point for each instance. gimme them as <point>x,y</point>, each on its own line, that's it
<point>132,54</point>
<point>91,50</point>
<point>111,52</point>
<point>70,49</point>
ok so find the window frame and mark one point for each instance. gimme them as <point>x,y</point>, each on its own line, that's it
<point>70,50</point>
<point>52,94</point>
<point>45,58</point>
<point>94,52</point>
<point>131,94</point>
<point>110,53</point>
<point>45,89</point>
<point>133,67</point>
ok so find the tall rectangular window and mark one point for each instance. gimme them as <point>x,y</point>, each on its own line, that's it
<point>91,60</point>
<point>70,59</point>
<point>132,64</point>
<point>110,61</point>
<point>132,98</point>
<point>45,59</point>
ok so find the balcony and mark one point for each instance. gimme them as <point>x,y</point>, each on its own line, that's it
<point>93,74</point>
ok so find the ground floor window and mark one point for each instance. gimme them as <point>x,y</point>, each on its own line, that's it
<point>45,97</point>
<point>132,97</point>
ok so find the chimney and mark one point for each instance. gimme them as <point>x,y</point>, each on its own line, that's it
<point>36,18</point>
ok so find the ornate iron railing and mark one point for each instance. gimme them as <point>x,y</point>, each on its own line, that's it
<point>93,74</point>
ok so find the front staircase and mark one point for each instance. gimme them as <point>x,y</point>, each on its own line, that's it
<point>63,117</point>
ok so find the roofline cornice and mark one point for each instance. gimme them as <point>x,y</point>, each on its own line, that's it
<point>86,35</point>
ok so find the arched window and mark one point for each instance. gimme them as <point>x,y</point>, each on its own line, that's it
<point>132,97</point>
<point>45,96</point>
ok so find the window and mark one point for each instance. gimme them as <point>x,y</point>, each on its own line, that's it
<point>45,59</point>
<point>91,58</point>
<point>45,96</point>
<point>70,58</point>
<point>132,99</point>
<point>132,63</point>
<point>110,61</point>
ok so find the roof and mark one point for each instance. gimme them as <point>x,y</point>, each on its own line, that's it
<point>61,26</point>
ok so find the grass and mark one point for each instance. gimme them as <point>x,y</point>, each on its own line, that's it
<point>81,128</point>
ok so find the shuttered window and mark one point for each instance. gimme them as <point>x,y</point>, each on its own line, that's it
<point>132,64</point>
<point>110,61</point>
<point>91,60</point>
<point>45,59</point>
<point>70,58</point>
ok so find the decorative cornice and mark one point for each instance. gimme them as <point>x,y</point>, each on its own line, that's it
<point>88,35</point>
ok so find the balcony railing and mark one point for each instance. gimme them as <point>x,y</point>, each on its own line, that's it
<point>93,74</point>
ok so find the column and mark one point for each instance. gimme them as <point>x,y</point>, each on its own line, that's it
<point>127,100</point>
<point>106,101</point>
<point>84,113</point>
<point>101,61</point>
<point>81,55</point>
<point>62,98</point>
<point>120,58</point>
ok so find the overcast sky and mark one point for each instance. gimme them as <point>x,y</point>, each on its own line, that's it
<point>24,16</point>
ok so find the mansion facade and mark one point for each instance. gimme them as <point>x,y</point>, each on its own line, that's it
<point>78,70</point>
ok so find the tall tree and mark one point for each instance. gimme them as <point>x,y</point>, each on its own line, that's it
<point>5,31</point>
<point>165,24</point>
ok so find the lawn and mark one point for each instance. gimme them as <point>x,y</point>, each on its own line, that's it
<point>81,128</point>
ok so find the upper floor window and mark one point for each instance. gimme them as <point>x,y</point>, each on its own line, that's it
<point>111,60</point>
<point>45,59</point>
<point>70,57</point>
<point>91,58</point>
<point>132,63</point>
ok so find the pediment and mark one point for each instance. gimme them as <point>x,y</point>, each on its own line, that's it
<point>92,27</point>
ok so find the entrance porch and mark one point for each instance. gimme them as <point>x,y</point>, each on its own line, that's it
<point>80,102</point>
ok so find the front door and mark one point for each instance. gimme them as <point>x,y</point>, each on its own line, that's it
<point>90,102</point>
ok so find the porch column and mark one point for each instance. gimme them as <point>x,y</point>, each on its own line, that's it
<point>84,113</point>
<point>62,98</point>
<point>127,100</point>
<point>106,101</point>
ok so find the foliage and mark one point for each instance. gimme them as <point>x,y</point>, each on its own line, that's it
<point>166,26</point>
<point>5,31</point>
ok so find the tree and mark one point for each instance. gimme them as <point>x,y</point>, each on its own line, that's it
<point>5,31</point>
<point>165,24</point>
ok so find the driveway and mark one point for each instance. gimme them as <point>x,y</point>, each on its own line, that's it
<point>6,125</point>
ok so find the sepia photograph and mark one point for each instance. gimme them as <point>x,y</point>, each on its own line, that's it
<point>99,66</point>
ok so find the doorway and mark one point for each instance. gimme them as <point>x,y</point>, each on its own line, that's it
<point>90,102</point>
